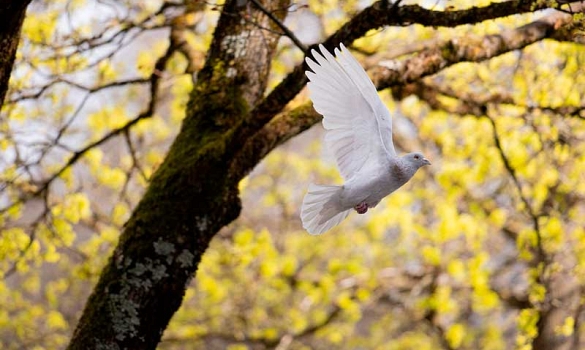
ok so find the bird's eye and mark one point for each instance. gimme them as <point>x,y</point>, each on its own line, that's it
<point>416,157</point>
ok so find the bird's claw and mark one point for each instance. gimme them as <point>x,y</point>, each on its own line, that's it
<point>361,208</point>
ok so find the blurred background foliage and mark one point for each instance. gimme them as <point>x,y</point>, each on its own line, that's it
<point>471,254</point>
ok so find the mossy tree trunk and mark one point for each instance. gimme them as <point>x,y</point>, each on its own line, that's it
<point>11,18</point>
<point>190,197</point>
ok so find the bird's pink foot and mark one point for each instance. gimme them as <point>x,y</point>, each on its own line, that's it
<point>361,208</point>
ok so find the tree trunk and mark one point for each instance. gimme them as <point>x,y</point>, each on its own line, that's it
<point>190,197</point>
<point>563,301</point>
<point>11,18</point>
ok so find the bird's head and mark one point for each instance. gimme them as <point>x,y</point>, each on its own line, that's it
<point>416,159</point>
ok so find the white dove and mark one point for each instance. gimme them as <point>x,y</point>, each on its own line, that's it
<point>359,133</point>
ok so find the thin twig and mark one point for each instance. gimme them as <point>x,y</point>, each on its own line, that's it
<point>513,175</point>
<point>132,150</point>
<point>148,112</point>
<point>87,89</point>
<point>281,25</point>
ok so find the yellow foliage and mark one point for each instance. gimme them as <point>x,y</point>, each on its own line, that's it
<point>120,214</point>
<point>15,211</point>
<point>455,335</point>
<point>94,157</point>
<point>4,144</point>
<point>298,320</point>
<point>216,292</point>
<point>106,71</point>
<point>64,231</point>
<point>567,328</point>
<point>431,255</point>
<point>289,265</point>
<point>112,177</point>
<point>56,321</point>
<point>363,294</point>
<point>145,62</point>
<point>527,329</point>
<point>50,254</point>
<point>12,241</point>
<point>498,217</point>
<point>107,118</point>
<point>155,126</point>
<point>335,337</point>
<point>67,177</point>
<point>456,268</point>
<point>75,207</point>
<point>109,234</point>
<point>493,338</point>
<point>31,284</point>
<point>268,269</point>
<point>39,27</point>
<point>344,301</point>
<point>537,293</point>
<point>237,347</point>
<point>181,88</point>
<point>484,299</point>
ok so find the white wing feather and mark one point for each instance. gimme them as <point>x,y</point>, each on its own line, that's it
<point>359,127</point>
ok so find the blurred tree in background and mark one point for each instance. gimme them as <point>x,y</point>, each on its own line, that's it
<point>128,131</point>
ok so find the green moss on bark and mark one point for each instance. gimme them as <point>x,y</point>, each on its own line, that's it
<point>190,198</point>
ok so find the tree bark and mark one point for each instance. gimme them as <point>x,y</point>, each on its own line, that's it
<point>190,197</point>
<point>11,17</point>
<point>563,300</point>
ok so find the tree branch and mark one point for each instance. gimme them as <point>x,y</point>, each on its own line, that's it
<point>470,49</point>
<point>154,80</point>
<point>375,16</point>
<point>428,61</point>
<point>542,256</point>
<point>281,25</point>
<point>89,89</point>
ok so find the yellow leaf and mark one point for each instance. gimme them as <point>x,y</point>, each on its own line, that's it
<point>456,268</point>
<point>112,177</point>
<point>76,207</point>
<point>106,70</point>
<point>94,157</point>
<point>455,335</point>
<point>56,321</point>
<point>431,255</point>
<point>268,269</point>
<point>335,337</point>
<point>15,211</point>
<point>527,320</point>
<point>120,214</point>
<point>567,328</point>
<point>484,299</point>
<point>289,265</point>
<point>64,230</point>
<point>243,238</point>
<point>109,234</point>
<point>51,255</point>
<point>237,347</point>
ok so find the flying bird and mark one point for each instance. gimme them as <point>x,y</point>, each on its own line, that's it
<point>359,134</point>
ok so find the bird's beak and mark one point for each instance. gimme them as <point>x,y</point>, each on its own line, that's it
<point>426,161</point>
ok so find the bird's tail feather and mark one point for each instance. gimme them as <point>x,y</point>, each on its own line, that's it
<point>321,209</point>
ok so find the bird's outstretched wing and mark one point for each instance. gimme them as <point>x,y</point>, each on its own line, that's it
<point>359,126</point>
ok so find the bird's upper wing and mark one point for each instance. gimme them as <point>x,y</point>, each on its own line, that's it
<point>359,126</point>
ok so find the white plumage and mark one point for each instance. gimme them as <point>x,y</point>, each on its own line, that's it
<point>359,134</point>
